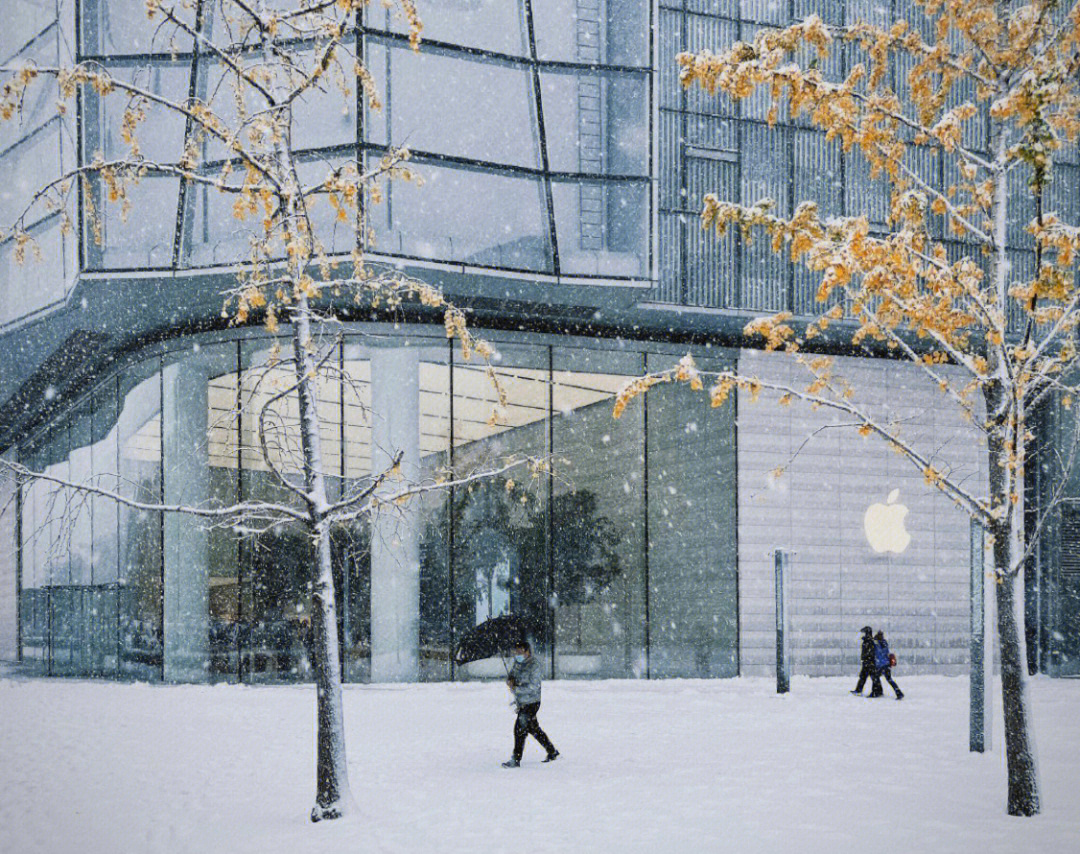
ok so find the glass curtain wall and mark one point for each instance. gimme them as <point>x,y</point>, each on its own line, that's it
<point>35,146</point>
<point>597,516</point>
<point>693,560</point>
<point>529,123</point>
<point>619,552</point>
<point>500,526</point>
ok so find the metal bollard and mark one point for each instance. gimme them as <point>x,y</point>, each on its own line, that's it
<point>783,659</point>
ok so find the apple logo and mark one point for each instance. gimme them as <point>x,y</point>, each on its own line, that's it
<point>884,525</point>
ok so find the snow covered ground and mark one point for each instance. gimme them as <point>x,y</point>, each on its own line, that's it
<point>674,766</point>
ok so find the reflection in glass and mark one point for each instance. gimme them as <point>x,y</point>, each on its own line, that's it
<point>597,517</point>
<point>499,525</point>
<point>693,609</point>
<point>598,123</point>
<point>456,105</point>
<point>612,32</point>
<point>140,579</point>
<point>465,215</point>
<point>494,25</point>
<point>602,228</point>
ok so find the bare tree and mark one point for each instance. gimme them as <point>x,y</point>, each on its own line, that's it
<point>1009,335</point>
<point>274,56</point>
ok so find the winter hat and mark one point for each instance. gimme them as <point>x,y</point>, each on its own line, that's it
<point>866,630</point>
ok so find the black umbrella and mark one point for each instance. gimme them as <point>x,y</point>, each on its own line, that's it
<point>497,636</point>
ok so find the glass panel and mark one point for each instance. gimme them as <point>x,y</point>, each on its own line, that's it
<point>711,273</point>
<point>693,609</point>
<point>603,227</point>
<point>465,215</point>
<point>323,115</point>
<point>704,33</point>
<point>765,11</point>
<point>102,601</point>
<point>212,234</point>
<point>598,517</point>
<point>34,594</point>
<point>495,25</point>
<point>337,234</point>
<point>72,618</point>
<point>354,543</point>
<point>33,284</point>
<point>160,135</point>
<point>454,105</point>
<point>436,645</point>
<point>613,32</point>
<point>275,592</point>
<point>200,467</point>
<point>45,565</point>
<point>501,556</point>
<point>123,26</point>
<point>140,593</point>
<point>29,166</point>
<point>597,123</point>
<point>80,546</point>
<point>24,20</point>
<point>39,101</point>
<point>144,239</point>
<point>818,177</point>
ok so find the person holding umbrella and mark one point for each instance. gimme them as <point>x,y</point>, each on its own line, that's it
<point>524,680</point>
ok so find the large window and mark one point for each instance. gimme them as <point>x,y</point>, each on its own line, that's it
<point>589,547</point>
<point>530,123</point>
<point>507,106</point>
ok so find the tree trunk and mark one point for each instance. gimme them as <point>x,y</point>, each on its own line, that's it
<point>1005,444</point>
<point>1023,777</point>
<point>332,798</point>
<point>1019,743</point>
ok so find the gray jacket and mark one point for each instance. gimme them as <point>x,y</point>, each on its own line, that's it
<point>526,676</point>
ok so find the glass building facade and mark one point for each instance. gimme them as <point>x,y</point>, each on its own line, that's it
<point>564,167</point>
<point>119,592</point>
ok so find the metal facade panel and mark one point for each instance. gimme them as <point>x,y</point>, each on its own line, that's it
<point>816,508</point>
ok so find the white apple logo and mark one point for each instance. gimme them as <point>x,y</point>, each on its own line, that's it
<point>884,525</point>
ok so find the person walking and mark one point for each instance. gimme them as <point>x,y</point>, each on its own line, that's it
<point>524,681</point>
<point>869,664</point>
<point>884,660</point>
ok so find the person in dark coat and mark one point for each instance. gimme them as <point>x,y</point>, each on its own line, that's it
<point>869,665</point>
<point>524,681</point>
<point>883,660</point>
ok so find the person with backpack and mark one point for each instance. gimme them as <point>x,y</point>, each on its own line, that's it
<point>884,661</point>
<point>869,665</point>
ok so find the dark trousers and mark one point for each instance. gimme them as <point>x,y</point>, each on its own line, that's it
<point>526,724</point>
<point>875,680</point>
<point>887,673</point>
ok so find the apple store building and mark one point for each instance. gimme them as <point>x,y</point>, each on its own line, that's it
<point>559,208</point>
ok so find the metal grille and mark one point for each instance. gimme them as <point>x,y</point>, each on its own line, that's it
<point>1070,541</point>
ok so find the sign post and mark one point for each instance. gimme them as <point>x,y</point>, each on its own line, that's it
<point>979,722</point>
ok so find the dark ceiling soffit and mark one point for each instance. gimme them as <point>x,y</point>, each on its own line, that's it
<point>48,388</point>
